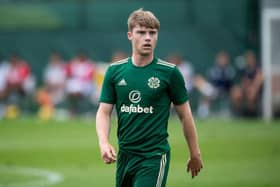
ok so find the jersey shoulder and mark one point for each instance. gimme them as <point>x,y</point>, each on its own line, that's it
<point>119,66</point>
<point>164,64</point>
<point>120,62</point>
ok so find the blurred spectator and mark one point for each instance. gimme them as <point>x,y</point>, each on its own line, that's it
<point>20,83</point>
<point>55,78</point>
<point>4,68</point>
<point>221,78</point>
<point>18,76</point>
<point>80,85</point>
<point>185,68</point>
<point>247,96</point>
<point>20,79</point>
<point>222,74</point>
<point>52,93</point>
<point>46,110</point>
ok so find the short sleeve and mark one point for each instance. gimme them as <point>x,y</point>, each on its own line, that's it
<point>108,90</point>
<point>177,90</point>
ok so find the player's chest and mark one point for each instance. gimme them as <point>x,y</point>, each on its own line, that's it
<point>148,86</point>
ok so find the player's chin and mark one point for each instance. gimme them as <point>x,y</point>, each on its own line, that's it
<point>146,52</point>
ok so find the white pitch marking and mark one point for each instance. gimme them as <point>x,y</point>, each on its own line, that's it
<point>45,177</point>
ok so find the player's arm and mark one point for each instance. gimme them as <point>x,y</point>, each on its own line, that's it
<point>103,125</point>
<point>195,162</point>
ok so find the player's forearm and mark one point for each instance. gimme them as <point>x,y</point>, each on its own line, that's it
<point>189,130</point>
<point>103,127</point>
<point>190,134</point>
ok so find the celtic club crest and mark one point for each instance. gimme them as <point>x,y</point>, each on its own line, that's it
<point>153,82</point>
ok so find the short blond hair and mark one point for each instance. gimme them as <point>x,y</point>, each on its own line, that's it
<point>143,19</point>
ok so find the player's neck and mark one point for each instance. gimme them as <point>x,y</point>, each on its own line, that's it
<point>140,60</point>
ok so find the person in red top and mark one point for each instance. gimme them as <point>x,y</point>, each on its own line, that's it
<point>79,84</point>
<point>18,74</point>
<point>19,86</point>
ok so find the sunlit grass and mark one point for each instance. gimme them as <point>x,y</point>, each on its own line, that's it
<point>243,153</point>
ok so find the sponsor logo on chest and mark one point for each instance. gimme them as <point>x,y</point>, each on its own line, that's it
<point>134,97</point>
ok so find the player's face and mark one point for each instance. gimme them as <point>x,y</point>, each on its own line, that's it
<point>143,40</point>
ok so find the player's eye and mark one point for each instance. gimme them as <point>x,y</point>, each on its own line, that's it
<point>141,32</point>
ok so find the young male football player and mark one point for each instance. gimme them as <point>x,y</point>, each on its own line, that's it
<point>142,87</point>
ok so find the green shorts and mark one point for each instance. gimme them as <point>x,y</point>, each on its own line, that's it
<point>138,171</point>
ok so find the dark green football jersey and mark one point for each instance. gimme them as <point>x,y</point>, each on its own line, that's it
<point>142,96</point>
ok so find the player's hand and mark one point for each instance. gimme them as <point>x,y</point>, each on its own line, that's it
<point>108,153</point>
<point>194,165</point>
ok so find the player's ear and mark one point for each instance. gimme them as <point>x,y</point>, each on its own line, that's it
<point>129,35</point>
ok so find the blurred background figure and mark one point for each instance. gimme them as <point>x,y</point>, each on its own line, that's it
<point>46,106</point>
<point>80,85</point>
<point>220,80</point>
<point>18,78</point>
<point>55,78</point>
<point>20,85</point>
<point>247,95</point>
<point>4,69</point>
<point>222,74</point>
<point>185,68</point>
<point>52,93</point>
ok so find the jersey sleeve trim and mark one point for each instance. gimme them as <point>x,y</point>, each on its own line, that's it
<point>123,61</point>
<point>164,63</point>
<point>181,101</point>
<point>106,100</point>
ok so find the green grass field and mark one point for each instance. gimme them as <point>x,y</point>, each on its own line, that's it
<point>238,153</point>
